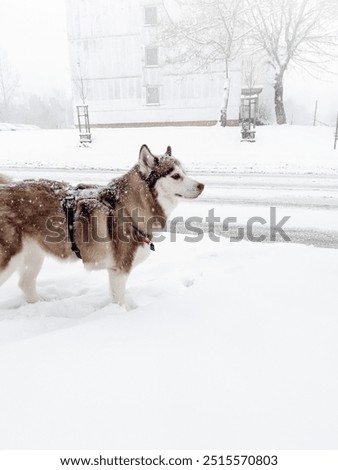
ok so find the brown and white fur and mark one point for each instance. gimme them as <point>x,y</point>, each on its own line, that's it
<point>33,221</point>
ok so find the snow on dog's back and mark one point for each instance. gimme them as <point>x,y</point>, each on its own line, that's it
<point>5,179</point>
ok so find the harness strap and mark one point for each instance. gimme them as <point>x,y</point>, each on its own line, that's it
<point>69,208</point>
<point>146,237</point>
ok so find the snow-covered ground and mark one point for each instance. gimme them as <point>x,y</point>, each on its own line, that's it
<point>285,149</point>
<point>232,345</point>
<point>6,126</point>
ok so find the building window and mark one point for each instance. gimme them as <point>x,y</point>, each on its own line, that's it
<point>150,16</point>
<point>151,56</point>
<point>153,95</point>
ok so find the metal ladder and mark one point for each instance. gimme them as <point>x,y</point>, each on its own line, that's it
<point>83,124</point>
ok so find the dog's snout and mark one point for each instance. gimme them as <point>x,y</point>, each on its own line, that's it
<point>200,187</point>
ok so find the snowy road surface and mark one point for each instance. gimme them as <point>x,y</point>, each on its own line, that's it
<point>310,200</point>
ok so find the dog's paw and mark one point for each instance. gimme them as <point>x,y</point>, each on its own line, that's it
<point>33,299</point>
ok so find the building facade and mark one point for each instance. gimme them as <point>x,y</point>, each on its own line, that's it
<point>119,69</point>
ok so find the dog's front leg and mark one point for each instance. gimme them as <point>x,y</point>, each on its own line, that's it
<point>29,270</point>
<point>118,282</point>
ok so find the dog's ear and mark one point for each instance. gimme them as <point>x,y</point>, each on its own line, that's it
<point>168,151</point>
<point>147,160</point>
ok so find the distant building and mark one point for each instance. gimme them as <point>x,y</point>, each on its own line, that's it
<point>121,72</point>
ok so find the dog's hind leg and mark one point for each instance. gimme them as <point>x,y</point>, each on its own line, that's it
<point>31,264</point>
<point>12,266</point>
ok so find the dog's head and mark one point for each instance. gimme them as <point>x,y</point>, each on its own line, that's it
<point>166,175</point>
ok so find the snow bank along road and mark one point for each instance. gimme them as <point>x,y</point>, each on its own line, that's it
<point>310,200</point>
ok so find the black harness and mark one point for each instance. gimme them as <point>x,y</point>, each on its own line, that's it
<point>70,209</point>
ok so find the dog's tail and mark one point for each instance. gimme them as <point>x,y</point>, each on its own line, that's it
<point>5,179</point>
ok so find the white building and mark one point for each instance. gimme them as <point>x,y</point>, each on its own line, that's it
<point>121,72</point>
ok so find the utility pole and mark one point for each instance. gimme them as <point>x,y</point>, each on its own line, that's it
<point>315,116</point>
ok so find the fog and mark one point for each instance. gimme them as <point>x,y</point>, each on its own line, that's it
<point>34,45</point>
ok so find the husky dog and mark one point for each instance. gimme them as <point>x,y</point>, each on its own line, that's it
<point>107,227</point>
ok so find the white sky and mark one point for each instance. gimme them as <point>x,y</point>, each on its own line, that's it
<point>33,34</point>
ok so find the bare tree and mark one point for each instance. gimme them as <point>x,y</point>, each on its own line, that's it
<point>291,33</point>
<point>9,83</point>
<point>81,82</point>
<point>250,72</point>
<point>202,34</point>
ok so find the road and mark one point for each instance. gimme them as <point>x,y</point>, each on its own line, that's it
<point>312,198</point>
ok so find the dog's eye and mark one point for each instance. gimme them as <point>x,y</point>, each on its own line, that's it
<point>176,176</point>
